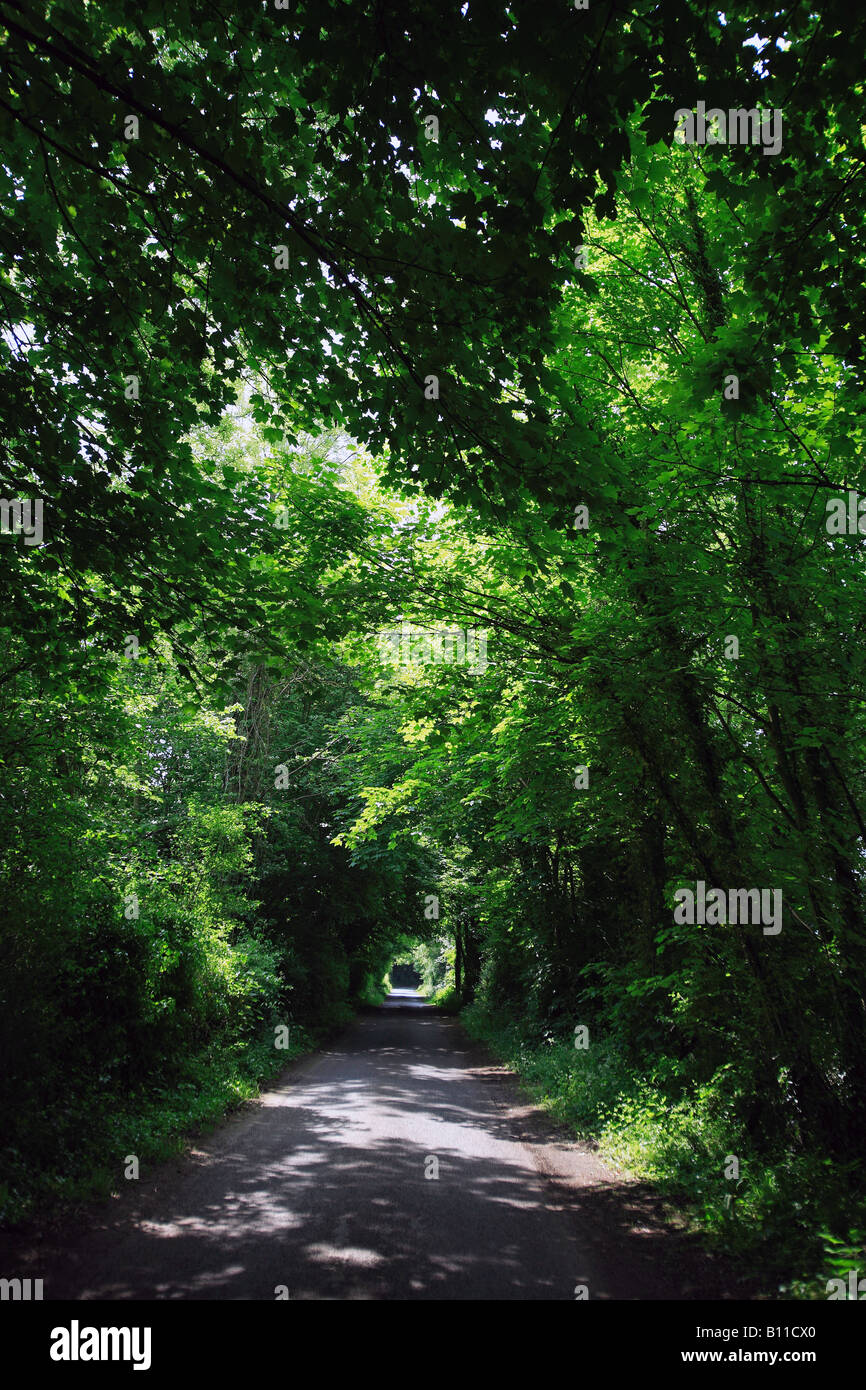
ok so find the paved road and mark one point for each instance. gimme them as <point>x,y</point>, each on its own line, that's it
<point>325,1187</point>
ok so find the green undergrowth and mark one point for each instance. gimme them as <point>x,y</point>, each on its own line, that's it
<point>446,999</point>
<point>373,991</point>
<point>794,1220</point>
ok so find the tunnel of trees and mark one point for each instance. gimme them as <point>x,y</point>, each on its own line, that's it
<point>328,327</point>
<point>404,975</point>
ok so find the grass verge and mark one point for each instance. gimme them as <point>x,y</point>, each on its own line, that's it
<point>796,1219</point>
<point>80,1148</point>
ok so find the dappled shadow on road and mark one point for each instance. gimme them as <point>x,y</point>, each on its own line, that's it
<point>396,1165</point>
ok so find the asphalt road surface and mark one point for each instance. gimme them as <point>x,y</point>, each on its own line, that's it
<point>327,1188</point>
